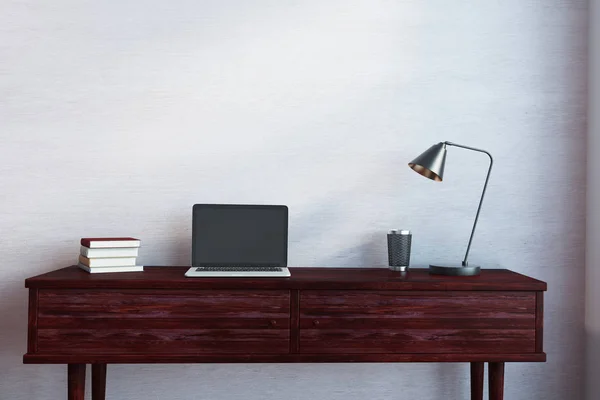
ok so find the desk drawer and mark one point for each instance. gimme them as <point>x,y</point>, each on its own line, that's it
<point>411,322</point>
<point>163,321</point>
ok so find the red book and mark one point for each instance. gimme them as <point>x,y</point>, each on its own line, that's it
<point>98,243</point>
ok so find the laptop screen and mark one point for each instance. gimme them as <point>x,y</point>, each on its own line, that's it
<point>231,235</point>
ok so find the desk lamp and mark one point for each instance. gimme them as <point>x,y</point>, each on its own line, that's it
<point>430,164</point>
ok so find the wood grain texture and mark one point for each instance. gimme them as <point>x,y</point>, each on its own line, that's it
<point>163,341</point>
<point>176,358</point>
<point>88,322</point>
<point>295,321</point>
<point>32,321</point>
<point>539,322</point>
<point>76,382</point>
<point>131,303</point>
<point>496,380</point>
<point>416,341</point>
<point>302,278</point>
<point>477,369</point>
<point>98,381</point>
<point>107,323</point>
<point>134,321</point>
<point>389,321</point>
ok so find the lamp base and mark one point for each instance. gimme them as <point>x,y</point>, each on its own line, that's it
<point>454,270</point>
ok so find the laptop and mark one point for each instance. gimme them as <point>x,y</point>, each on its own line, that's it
<point>235,240</point>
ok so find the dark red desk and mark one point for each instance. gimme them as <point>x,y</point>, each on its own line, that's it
<point>317,315</point>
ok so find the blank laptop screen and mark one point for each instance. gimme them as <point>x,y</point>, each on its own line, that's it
<point>230,235</point>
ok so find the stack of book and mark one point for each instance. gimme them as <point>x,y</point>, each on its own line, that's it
<point>99,255</point>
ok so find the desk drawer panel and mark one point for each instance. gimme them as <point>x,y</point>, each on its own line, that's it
<point>134,303</point>
<point>161,341</point>
<point>411,322</point>
<point>163,321</point>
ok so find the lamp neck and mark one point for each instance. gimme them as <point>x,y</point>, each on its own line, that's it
<point>487,178</point>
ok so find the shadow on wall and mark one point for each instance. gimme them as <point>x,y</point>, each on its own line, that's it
<point>370,253</point>
<point>592,388</point>
<point>13,315</point>
<point>318,230</point>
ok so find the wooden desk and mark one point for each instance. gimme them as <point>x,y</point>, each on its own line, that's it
<point>317,315</point>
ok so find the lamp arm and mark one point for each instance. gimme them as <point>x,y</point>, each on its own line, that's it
<point>487,178</point>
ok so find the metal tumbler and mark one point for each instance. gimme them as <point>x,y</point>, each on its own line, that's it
<point>399,242</point>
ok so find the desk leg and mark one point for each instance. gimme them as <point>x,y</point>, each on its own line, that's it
<point>76,381</point>
<point>98,381</point>
<point>496,380</point>
<point>477,380</point>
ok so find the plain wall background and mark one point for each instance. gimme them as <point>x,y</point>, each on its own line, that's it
<point>117,116</point>
<point>592,317</point>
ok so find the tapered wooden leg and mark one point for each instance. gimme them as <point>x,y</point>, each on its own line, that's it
<point>98,381</point>
<point>477,380</point>
<point>496,377</point>
<point>76,381</point>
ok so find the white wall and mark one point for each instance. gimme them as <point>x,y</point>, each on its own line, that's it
<point>117,116</point>
<point>592,316</point>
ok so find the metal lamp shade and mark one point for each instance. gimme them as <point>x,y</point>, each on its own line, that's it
<point>431,163</point>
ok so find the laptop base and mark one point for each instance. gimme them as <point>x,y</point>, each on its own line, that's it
<point>232,272</point>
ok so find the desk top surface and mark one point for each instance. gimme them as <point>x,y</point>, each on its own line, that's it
<point>305,278</point>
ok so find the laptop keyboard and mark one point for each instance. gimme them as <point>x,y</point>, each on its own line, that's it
<point>239,269</point>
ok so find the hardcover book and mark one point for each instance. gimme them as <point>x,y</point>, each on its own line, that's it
<point>99,270</point>
<point>107,262</point>
<point>109,252</point>
<point>96,243</point>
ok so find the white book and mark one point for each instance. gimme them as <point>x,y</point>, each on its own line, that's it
<point>109,252</point>
<point>107,262</point>
<point>100,270</point>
